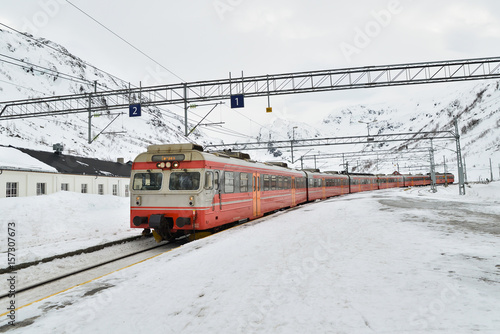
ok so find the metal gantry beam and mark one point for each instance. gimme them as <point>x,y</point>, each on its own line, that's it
<point>255,86</point>
<point>364,154</point>
<point>361,154</point>
<point>382,138</point>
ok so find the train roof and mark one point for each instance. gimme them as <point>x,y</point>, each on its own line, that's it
<point>195,152</point>
<point>169,148</point>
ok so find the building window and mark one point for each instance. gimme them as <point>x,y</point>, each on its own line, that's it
<point>126,190</point>
<point>115,190</point>
<point>64,186</point>
<point>40,188</point>
<point>12,189</point>
<point>84,188</point>
<point>100,189</point>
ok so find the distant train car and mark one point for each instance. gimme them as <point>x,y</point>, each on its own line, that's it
<point>445,178</point>
<point>324,185</point>
<point>390,181</point>
<point>362,182</point>
<point>416,180</point>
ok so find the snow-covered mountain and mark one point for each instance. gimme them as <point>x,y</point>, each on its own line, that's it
<point>35,67</point>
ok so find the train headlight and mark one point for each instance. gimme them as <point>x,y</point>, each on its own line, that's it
<point>191,200</point>
<point>138,200</point>
<point>175,164</point>
<point>168,164</point>
<point>160,165</point>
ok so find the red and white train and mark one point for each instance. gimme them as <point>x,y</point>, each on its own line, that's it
<point>177,189</point>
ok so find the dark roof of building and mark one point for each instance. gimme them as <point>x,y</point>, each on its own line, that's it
<point>70,164</point>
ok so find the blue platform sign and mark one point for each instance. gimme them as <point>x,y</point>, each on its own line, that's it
<point>134,110</point>
<point>237,101</point>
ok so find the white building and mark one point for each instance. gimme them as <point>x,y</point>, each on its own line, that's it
<point>25,172</point>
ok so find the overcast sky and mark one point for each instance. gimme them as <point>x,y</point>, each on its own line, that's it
<point>207,39</point>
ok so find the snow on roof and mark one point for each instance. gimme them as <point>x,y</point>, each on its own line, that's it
<point>11,158</point>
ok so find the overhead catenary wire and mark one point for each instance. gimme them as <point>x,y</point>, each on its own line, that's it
<point>124,40</point>
<point>20,86</point>
<point>30,66</point>
<point>63,52</point>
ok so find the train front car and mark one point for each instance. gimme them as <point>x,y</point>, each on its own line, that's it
<point>178,189</point>
<point>169,191</point>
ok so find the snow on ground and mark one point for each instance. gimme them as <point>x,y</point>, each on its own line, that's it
<point>391,261</point>
<point>62,222</point>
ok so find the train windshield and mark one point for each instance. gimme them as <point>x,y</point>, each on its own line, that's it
<point>184,181</point>
<point>147,181</point>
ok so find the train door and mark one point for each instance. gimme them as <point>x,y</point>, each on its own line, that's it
<point>217,202</point>
<point>323,186</point>
<point>256,194</point>
<point>294,201</point>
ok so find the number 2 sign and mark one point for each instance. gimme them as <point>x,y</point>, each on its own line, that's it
<point>134,110</point>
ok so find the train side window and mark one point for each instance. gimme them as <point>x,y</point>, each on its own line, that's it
<point>209,180</point>
<point>266,183</point>
<point>273,182</point>
<point>243,182</point>
<point>280,183</point>
<point>228,182</point>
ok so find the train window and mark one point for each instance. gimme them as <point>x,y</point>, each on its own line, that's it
<point>243,182</point>
<point>267,183</point>
<point>184,181</point>
<point>228,182</point>
<point>147,181</point>
<point>280,182</point>
<point>209,180</point>
<point>273,182</point>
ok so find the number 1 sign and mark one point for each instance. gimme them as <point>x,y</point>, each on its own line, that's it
<point>237,101</point>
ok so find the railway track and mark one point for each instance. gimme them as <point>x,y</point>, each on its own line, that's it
<point>91,249</point>
<point>27,288</point>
